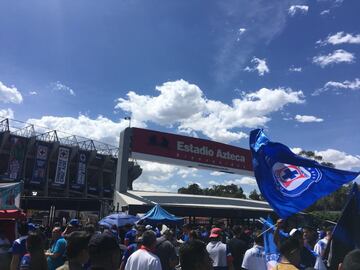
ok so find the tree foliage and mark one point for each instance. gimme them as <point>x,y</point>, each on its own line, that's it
<point>231,190</point>
<point>334,201</point>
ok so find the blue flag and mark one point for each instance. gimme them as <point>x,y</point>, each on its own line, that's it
<point>291,183</point>
<point>272,255</point>
<point>346,234</point>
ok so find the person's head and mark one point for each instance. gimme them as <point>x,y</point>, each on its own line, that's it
<point>215,234</point>
<point>89,228</point>
<point>237,230</point>
<point>309,234</point>
<point>56,233</point>
<point>193,255</point>
<point>149,239</point>
<point>328,232</point>
<point>169,234</point>
<point>259,239</point>
<point>104,251</point>
<point>290,248</point>
<point>23,228</point>
<point>186,228</point>
<point>351,261</point>
<point>193,235</point>
<point>77,246</point>
<point>34,243</point>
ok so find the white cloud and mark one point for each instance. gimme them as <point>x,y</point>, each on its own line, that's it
<point>296,150</point>
<point>295,69</point>
<point>33,93</point>
<point>183,104</point>
<point>325,12</point>
<point>216,173</point>
<point>241,30</point>
<point>338,56</point>
<point>307,118</point>
<point>10,94</point>
<point>298,9</point>
<point>147,186</point>
<point>100,129</point>
<point>58,86</point>
<point>7,113</point>
<point>341,160</point>
<point>340,38</point>
<point>259,65</point>
<point>246,180</point>
<point>332,85</point>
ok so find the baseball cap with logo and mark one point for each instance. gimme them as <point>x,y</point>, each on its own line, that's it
<point>215,232</point>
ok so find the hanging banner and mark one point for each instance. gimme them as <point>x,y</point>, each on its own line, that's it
<point>16,159</point>
<point>40,166</point>
<point>10,196</point>
<point>79,182</point>
<point>61,167</point>
<point>93,181</point>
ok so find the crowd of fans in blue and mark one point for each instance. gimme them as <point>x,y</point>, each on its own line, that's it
<point>161,247</point>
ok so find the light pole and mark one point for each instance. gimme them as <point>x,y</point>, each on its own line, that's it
<point>129,119</point>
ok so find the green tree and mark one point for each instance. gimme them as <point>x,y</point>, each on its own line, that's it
<point>254,195</point>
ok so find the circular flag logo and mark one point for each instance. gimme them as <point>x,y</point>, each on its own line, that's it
<point>292,180</point>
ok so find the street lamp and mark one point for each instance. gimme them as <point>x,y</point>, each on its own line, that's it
<point>129,119</point>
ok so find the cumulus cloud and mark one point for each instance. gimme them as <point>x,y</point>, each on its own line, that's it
<point>302,9</point>
<point>338,56</point>
<point>295,69</point>
<point>58,86</point>
<point>33,93</point>
<point>100,129</point>
<point>10,94</point>
<point>340,38</point>
<point>336,86</point>
<point>341,159</point>
<point>307,118</point>
<point>259,65</point>
<point>6,113</point>
<point>183,104</point>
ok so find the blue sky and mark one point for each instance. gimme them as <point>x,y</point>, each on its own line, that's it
<point>212,69</point>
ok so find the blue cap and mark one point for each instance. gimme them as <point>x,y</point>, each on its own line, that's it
<point>32,227</point>
<point>74,222</point>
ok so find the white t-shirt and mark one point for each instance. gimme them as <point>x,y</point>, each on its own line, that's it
<point>320,246</point>
<point>218,253</point>
<point>143,260</point>
<point>254,259</point>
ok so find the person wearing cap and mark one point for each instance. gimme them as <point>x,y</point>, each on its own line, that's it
<point>130,249</point>
<point>76,251</point>
<point>55,256</point>
<point>144,258</point>
<point>72,226</point>
<point>254,258</point>
<point>321,245</point>
<point>104,252</point>
<point>219,253</point>
<point>130,235</point>
<point>19,246</point>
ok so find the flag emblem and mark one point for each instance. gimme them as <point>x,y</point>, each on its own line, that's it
<point>293,180</point>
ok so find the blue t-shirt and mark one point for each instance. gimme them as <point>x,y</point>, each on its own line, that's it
<point>25,262</point>
<point>130,250</point>
<point>130,236</point>
<point>58,247</point>
<point>19,246</point>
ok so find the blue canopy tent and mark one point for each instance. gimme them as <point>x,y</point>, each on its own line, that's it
<point>159,215</point>
<point>118,219</point>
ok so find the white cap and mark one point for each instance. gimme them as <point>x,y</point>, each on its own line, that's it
<point>148,227</point>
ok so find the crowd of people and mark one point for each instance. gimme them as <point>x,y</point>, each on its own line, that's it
<point>161,247</point>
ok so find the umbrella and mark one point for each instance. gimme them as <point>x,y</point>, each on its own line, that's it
<point>118,219</point>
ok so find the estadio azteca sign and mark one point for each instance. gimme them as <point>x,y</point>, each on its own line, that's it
<point>188,151</point>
